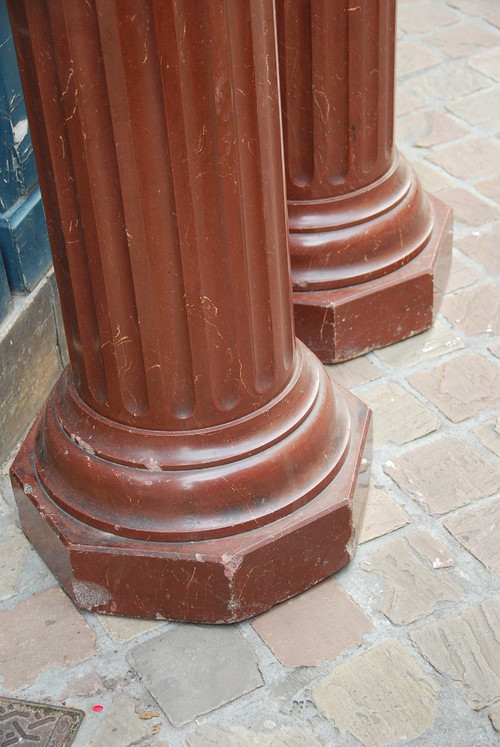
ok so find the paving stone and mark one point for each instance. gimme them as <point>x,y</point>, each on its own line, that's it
<point>398,417</point>
<point>478,530</point>
<point>480,109</point>
<point>423,17</point>
<point>495,349</point>
<point>475,311</point>
<point>464,39</point>
<point>467,477</point>
<point>382,515</point>
<point>432,179</point>
<point>466,648</point>
<point>410,126</point>
<point>495,718</point>
<point>42,631</point>
<point>352,373</point>
<point>489,435</point>
<point>494,19</point>
<point>120,724</point>
<point>490,188</point>
<point>438,340</point>
<point>379,697</point>
<point>446,81</point>
<point>405,102</point>
<point>462,387</point>
<point>13,549</point>
<point>284,689</point>
<point>293,736</point>
<point>430,549</point>
<point>482,246</point>
<point>440,128</point>
<point>468,159</point>
<point>475,7</point>
<point>411,590</point>
<point>314,626</point>
<point>125,628</point>
<point>467,207</point>
<point>461,275</point>
<point>89,684</point>
<point>203,667</point>
<point>411,58</point>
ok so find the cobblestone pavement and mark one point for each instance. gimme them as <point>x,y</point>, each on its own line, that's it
<point>404,644</point>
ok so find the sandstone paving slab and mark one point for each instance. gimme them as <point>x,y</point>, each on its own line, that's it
<point>490,188</point>
<point>464,39</point>
<point>13,549</point>
<point>467,207</point>
<point>482,246</point>
<point>475,7</point>
<point>314,626</point>
<point>495,718</point>
<point>444,475</point>
<point>84,686</point>
<point>382,515</point>
<point>125,628</point>
<point>468,159</point>
<point>351,373</point>
<point>202,668</point>
<point>475,311</point>
<point>480,109</point>
<point>120,724</point>
<point>466,648</point>
<point>445,81</point>
<point>494,19</point>
<point>411,589</point>
<point>379,697</point>
<point>478,530</point>
<point>405,102</point>
<point>461,275</point>
<point>398,416</point>
<point>440,129</point>
<point>461,387</point>
<point>423,17</point>
<point>436,341</point>
<point>411,58</point>
<point>210,735</point>
<point>437,554</point>
<point>487,62</point>
<point>45,630</point>
<point>433,180</point>
<point>489,435</point>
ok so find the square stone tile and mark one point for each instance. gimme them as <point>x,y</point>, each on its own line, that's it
<point>478,530</point>
<point>475,311</point>
<point>125,628</point>
<point>489,435</point>
<point>423,17</point>
<point>468,159</point>
<point>352,373</point>
<point>480,109</point>
<point>411,589</point>
<point>440,128</point>
<point>120,724</point>
<point>202,668</point>
<point>464,39</point>
<point>444,82</point>
<point>45,630</point>
<point>382,515</point>
<point>466,648</point>
<point>314,626</point>
<point>210,735</point>
<point>438,340</point>
<point>490,188</point>
<point>462,387</point>
<point>467,207</point>
<point>444,475</point>
<point>482,246</point>
<point>398,417</point>
<point>461,275</point>
<point>487,63</point>
<point>381,697</point>
<point>411,57</point>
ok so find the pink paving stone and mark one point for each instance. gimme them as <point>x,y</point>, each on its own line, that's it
<point>475,7</point>
<point>478,530</point>
<point>482,246</point>
<point>405,102</point>
<point>490,188</point>
<point>423,17</point>
<point>314,626</point>
<point>494,20</point>
<point>461,275</point>
<point>464,39</point>
<point>444,475</point>
<point>487,63</point>
<point>440,129</point>
<point>479,110</point>
<point>411,58</point>
<point>468,159</point>
<point>495,349</point>
<point>89,684</point>
<point>475,311</point>
<point>45,630</point>
<point>489,435</point>
<point>433,180</point>
<point>467,207</point>
<point>352,373</point>
<point>461,387</point>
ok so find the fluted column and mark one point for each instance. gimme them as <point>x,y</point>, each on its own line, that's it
<point>358,215</point>
<point>192,430</point>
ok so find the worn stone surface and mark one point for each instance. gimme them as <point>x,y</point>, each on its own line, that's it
<point>398,416</point>
<point>412,58</point>
<point>466,648</point>
<point>339,624</point>
<point>382,515</point>
<point>352,373</point>
<point>13,549</point>
<point>405,102</point>
<point>440,128</point>
<point>423,17</point>
<point>482,246</point>
<point>293,736</point>
<point>411,590</point>
<point>489,435</point>
<point>490,188</point>
<point>495,718</point>
<point>432,179</point>
<point>478,109</point>
<point>120,725</point>
<point>467,207</point>
<point>430,549</point>
<point>475,311</point>
<point>468,159</point>
<point>478,530</point>
<point>462,387</point>
<point>437,340</point>
<point>203,667</point>
<point>125,628</point>
<point>487,63</point>
<point>446,81</point>
<point>88,684</point>
<point>379,697</point>
<point>462,275</point>
<point>475,7</point>
<point>42,631</point>
<point>463,39</point>
<point>467,477</point>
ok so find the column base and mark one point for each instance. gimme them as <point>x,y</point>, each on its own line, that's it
<point>343,323</point>
<point>223,579</point>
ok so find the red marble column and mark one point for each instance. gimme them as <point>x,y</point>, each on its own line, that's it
<point>196,463</point>
<point>370,250</point>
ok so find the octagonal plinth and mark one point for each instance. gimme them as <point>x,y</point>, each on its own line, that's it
<point>219,580</point>
<point>342,323</point>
